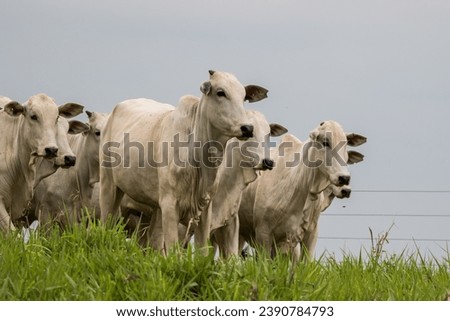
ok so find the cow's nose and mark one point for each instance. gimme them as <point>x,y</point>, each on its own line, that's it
<point>50,152</point>
<point>344,180</point>
<point>267,163</point>
<point>247,131</point>
<point>70,160</point>
<point>345,192</point>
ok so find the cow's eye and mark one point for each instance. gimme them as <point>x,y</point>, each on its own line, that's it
<point>34,117</point>
<point>326,143</point>
<point>221,93</point>
<point>97,133</point>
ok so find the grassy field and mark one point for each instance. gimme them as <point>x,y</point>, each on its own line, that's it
<point>100,264</point>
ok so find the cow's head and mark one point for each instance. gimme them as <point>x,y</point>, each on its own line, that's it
<point>327,150</point>
<point>343,191</point>
<point>97,122</point>
<point>66,157</point>
<point>40,122</point>
<point>224,98</point>
<point>256,149</point>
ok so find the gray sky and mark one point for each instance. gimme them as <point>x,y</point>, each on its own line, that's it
<point>380,68</point>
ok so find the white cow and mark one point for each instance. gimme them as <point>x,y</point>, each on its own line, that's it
<point>272,208</point>
<point>242,162</point>
<point>65,157</point>
<point>28,132</point>
<point>187,142</point>
<point>315,206</point>
<point>61,196</point>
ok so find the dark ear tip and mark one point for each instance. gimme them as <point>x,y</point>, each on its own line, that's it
<point>88,113</point>
<point>211,72</point>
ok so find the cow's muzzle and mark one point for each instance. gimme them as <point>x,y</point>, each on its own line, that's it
<point>266,164</point>
<point>69,161</point>
<point>247,131</point>
<point>343,180</point>
<point>50,152</point>
<point>345,192</point>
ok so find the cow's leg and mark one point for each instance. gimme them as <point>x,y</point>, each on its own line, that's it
<point>110,204</point>
<point>263,238</point>
<point>309,243</point>
<point>202,231</point>
<point>5,220</point>
<point>170,219</point>
<point>45,218</point>
<point>241,246</point>
<point>110,198</point>
<point>296,252</point>
<point>155,231</point>
<point>227,238</point>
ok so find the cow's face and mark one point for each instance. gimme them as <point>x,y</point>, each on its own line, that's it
<point>327,150</point>
<point>40,122</point>
<point>224,97</point>
<point>66,157</point>
<point>40,117</point>
<point>97,122</point>
<point>257,147</point>
<point>339,191</point>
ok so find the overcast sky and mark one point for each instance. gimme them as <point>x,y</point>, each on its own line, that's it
<point>380,68</point>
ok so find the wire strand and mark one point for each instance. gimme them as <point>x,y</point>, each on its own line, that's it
<point>399,191</point>
<point>387,215</point>
<point>388,239</point>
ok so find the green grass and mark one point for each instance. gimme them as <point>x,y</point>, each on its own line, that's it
<point>98,263</point>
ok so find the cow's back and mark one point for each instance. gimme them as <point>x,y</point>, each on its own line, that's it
<point>133,132</point>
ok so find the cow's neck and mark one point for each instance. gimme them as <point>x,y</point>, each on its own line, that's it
<point>204,172</point>
<point>207,137</point>
<point>310,181</point>
<point>87,171</point>
<point>203,129</point>
<point>22,170</point>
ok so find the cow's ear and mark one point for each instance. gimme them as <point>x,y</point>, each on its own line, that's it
<point>355,139</point>
<point>205,88</point>
<point>255,93</point>
<point>70,110</point>
<point>354,157</point>
<point>77,127</point>
<point>277,130</point>
<point>13,108</point>
<point>89,113</point>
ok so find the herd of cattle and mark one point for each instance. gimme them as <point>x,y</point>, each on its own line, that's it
<point>204,168</point>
